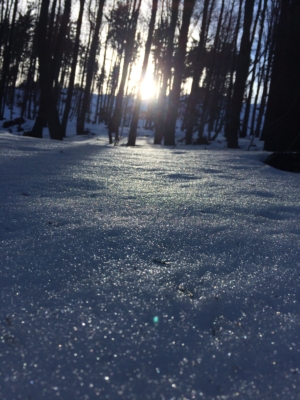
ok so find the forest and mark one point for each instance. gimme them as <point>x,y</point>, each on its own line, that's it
<point>226,67</point>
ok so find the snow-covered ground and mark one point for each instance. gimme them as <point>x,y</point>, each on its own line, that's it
<point>146,272</point>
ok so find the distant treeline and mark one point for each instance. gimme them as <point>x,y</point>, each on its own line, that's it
<point>220,66</point>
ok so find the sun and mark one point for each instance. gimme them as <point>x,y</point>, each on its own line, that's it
<point>148,88</point>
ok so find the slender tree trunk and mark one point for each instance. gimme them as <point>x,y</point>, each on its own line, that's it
<point>210,73</point>
<point>115,121</point>
<point>233,127</point>
<point>59,47</point>
<point>100,85</point>
<point>255,105</point>
<point>244,130</point>
<point>233,66</point>
<point>174,98</point>
<point>191,111</point>
<point>137,106</point>
<point>73,71</point>
<point>217,97</point>
<point>90,71</point>
<point>264,95</point>
<point>110,92</point>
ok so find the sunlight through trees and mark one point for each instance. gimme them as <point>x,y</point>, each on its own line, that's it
<point>204,67</point>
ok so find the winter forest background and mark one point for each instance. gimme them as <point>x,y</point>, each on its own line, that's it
<point>229,67</point>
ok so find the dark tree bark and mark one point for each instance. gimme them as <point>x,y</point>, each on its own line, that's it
<point>221,68</point>
<point>48,111</point>
<point>243,63</point>
<point>6,59</point>
<point>137,106</point>
<point>255,104</point>
<point>160,115</point>
<point>210,73</point>
<point>90,71</point>
<point>59,47</point>
<point>100,82</point>
<point>268,62</point>
<point>233,65</point>
<point>263,100</point>
<point>245,127</point>
<point>282,123</point>
<point>174,97</point>
<point>73,71</point>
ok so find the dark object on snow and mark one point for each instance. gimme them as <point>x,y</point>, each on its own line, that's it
<point>160,261</point>
<point>284,161</point>
<point>27,134</point>
<point>184,290</point>
<point>16,121</point>
<point>201,140</point>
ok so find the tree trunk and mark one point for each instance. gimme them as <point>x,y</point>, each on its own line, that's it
<point>233,66</point>
<point>59,46</point>
<point>161,103</point>
<point>174,97</point>
<point>137,106</point>
<point>73,71</point>
<point>243,63</point>
<point>199,65</point>
<point>6,60</point>
<point>115,121</point>
<point>90,71</point>
<point>48,111</point>
<point>282,124</point>
<point>245,127</point>
<point>210,73</point>
<point>268,61</point>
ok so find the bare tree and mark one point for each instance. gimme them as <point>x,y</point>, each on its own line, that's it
<point>174,97</point>
<point>90,70</point>
<point>192,112</point>
<point>166,75</point>
<point>243,63</point>
<point>138,101</point>
<point>73,71</point>
<point>115,121</point>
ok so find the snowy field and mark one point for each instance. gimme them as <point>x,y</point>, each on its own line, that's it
<point>146,272</point>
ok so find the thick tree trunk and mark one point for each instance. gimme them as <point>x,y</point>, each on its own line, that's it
<point>48,111</point>
<point>282,123</point>
<point>137,106</point>
<point>6,60</point>
<point>233,127</point>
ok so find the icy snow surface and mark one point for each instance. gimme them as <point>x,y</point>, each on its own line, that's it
<point>146,273</point>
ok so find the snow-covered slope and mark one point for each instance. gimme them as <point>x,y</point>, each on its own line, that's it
<point>146,273</point>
